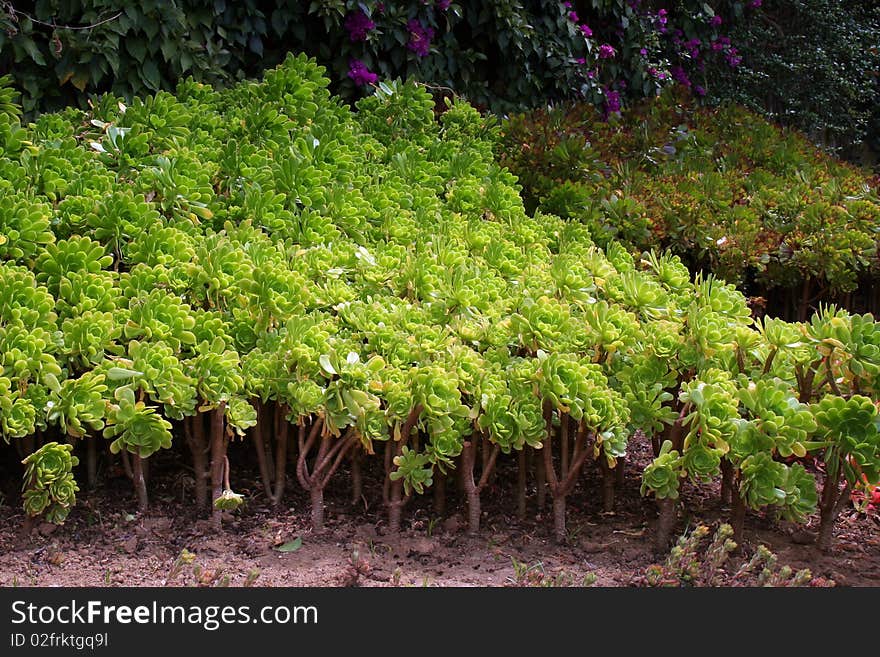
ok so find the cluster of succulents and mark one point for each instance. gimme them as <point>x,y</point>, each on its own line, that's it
<point>264,263</point>
<point>723,188</point>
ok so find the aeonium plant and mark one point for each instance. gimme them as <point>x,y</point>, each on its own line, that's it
<point>850,431</point>
<point>139,430</point>
<point>49,487</point>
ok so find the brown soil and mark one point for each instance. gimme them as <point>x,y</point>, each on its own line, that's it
<point>106,543</point>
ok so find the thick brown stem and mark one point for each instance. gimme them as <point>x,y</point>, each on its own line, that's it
<point>547,450</point>
<point>620,472</point>
<point>396,497</point>
<point>330,464</point>
<point>266,418</point>
<point>140,484</point>
<point>386,483</point>
<point>563,444</point>
<point>489,453</point>
<point>665,524</point>
<point>470,488</point>
<point>803,310</point>
<point>27,528</point>
<point>832,503</point>
<point>317,498</point>
<point>559,518</point>
<point>357,479</point>
<point>395,509</point>
<point>726,481</point>
<point>440,494</point>
<point>826,532</point>
<point>218,459</point>
<point>540,481</point>
<point>126,464</point>
<point>489,467</point>
<point>91,462</point>
<point>676,434</point>
<point>194,431</point>
<point>282,427</point>
<point>260,448</point>
<point>522,466</point>
<point>569,477</point>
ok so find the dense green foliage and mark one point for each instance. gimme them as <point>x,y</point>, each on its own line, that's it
<point>212,262</point>
<point>726,190</point>
<point>811,64</point>
<point>504,54</point>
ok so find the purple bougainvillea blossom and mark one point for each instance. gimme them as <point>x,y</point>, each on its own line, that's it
<point>358,25</point>
<point>606,51</point>
<point>699,90</point>
<point>419,38</point>
<point>586,31</point>
<point>612,101</point>
<point>715,21</point>
<point>443,5</point>
<point>679,75</point>
<point>733,58</point>
<point>360,74</point>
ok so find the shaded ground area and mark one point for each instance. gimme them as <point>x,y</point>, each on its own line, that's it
<point>105,543</point>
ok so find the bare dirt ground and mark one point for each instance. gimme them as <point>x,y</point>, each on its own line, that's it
<point>106,543</point>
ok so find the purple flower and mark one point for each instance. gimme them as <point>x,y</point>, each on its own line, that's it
<point>717,46</point>
<point>586,31</point>
<point>733,58</point>
<point>566,4</point>
<point>715,21</point>
<point>581,60</point>
<point>754,4</point>
<point>443,5</point>
<point>573,16</point>
<point>612,101</point>
<point>661,17</point>
<point>643,52</point>
<point>359,73</point>
<point>699,90</point>
<point>419,37</point>
<point>358,25</point>
<point>680,76</point>
<point>606,51</point>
